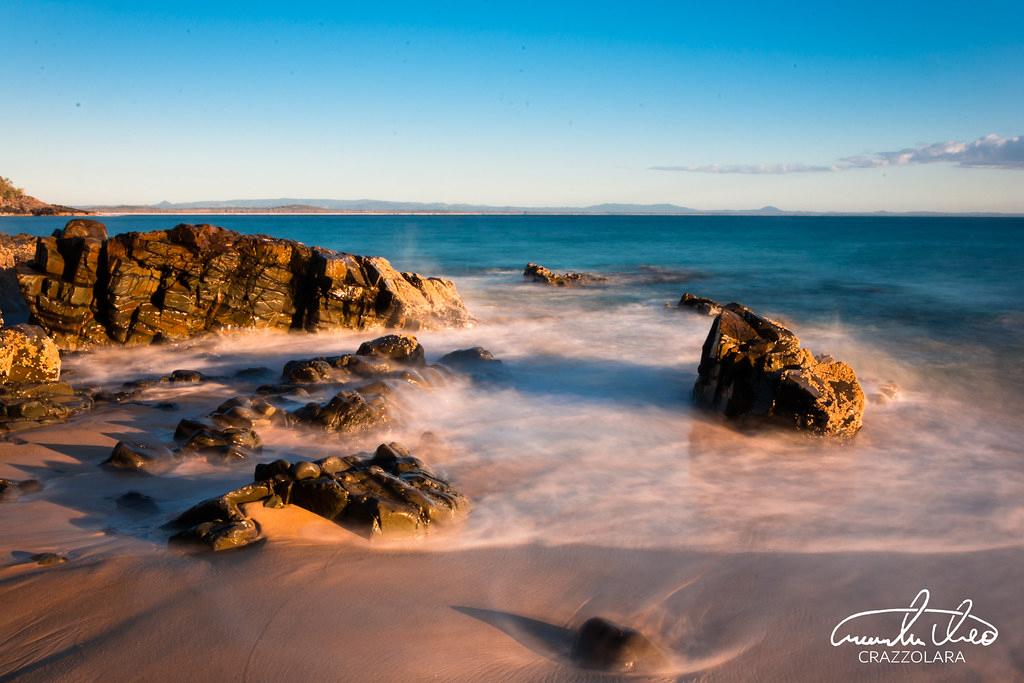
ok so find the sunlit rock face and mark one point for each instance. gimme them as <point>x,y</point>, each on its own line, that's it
<point>86,289</point>
<point>753,367</point>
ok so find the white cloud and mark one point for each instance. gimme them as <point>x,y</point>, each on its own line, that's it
<point>991,151</point>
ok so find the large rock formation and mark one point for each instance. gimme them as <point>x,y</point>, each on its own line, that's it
<point>385,493</point>
<point>86,289</point>
<point>754,367</point>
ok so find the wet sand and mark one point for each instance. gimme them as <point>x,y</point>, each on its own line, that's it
<point>317,602</point>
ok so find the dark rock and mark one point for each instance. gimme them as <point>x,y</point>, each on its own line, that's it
<point>387,493</point>
<point>137,288</point>
<point>116,396</point>
<point>27,405</point>
<point>305,470</point>
<point>753,367</point>
<point>534,272</point>
<point>186,376</point>
<point>168,406</point>
<point>247,413</point>
<point>473,360</point>
<point>133,501</point>
<point>400,348</point>
<point>306,371</point>
<point>700,304</point>
<point>9,488</point>
<point>48,559</point>
<point>349,412</point>
<point>225,444</point>
<point>272,469</point>
<point>138,455</point>
<point>600,644</point>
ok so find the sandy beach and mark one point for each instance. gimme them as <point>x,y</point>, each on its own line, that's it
<point>316,602</point>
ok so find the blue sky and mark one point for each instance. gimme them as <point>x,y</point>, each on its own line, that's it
<point>804,106</point>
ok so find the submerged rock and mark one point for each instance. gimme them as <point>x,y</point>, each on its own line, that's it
<point>386,493</point>
<point>469,359</point>
<point>754,367</point>
<point>601,644</point>
<point>86,289</point>
<point>534,272</point>
<point>136,502</point>
<point>700,304</point>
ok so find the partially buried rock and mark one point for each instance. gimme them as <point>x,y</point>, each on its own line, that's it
<point>534,272</point>
<point>700,304</point>
<point>601,644</point>
<point>390,492</point>
<point>48,559</point>
<point>753,367</point>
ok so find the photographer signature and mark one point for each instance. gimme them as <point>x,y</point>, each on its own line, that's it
<point>948,626</point>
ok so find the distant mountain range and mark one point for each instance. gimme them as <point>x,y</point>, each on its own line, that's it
<point>14,201</point>
<point>295,205</point>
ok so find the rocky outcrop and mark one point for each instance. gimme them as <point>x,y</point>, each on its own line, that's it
<point>14,201</point>
<point>753,367</point>
<point>534,272</point>
<point>136,288</point>
<point>700,304</point>
<point>388,492</point>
